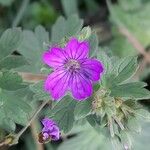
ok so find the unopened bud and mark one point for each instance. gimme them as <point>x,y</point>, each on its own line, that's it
<point>84,34</point>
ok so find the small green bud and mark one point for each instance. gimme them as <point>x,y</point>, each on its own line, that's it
<point>118,102</point>
<point>84,34</point>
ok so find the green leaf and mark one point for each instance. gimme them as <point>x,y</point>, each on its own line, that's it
<point>93,40</point>
<point>133,90</point>
<point>8,124</point>
<point>108,80</point>
<point>58,30</point>
<point>73,25</point>
<point>42,36</point>
<point>10,41</point>
<point>143,114</point>
<point>83,109</point>
<point>125,139</point>
<point>125,68</point>
<point>39,93</point>
<point>120,71</point>
<point>93,120</point>
<point>11,81</point>
<point>63,113</point>
<point>134,125</point>
<point>89,139</point>
<point>69,7</point>
<point>116,144</point>
<point>65,28</point>
<point>13,110</point>
<point>13,61</point>
<point>141,142</point>
<point>32,48</point>
<point>106,61</point>
<point>21,119</point>
<point>86,140</point>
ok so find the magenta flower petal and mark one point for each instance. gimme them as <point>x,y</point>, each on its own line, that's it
<point>81,87</point>
<point>71,47</point>
<point>77,50</point>
<point>47,122</point>
<point>50,130</point>
<point>55,135</point>
<point>57,84</point>
<point>91,68</point>
<point>55,57</point>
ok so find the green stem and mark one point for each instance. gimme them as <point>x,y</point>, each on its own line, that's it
<point>13,139</point>
<point>32,118</point>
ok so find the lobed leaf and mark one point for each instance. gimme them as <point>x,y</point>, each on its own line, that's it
<point>11,81</point>
<point>93,40</point>
<point>63,113</point>
<point>133,90</point>
<point>13,109</point>
<point>9,41</point>
<point>86,140</point>
<point>65,28</point>
<point>106,61</point>
<point>13,61</point>
<point>82,109</point>
<point>69,7</point>
<point>39,93</point>
<point>125,68</point>
<point>32,48</point>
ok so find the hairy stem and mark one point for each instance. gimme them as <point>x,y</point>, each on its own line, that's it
<point>2,143</point>
<point>32,118</point>
<point>125,32</point>
<point>30,77</point>
<point>13,139</point>
<point>135,43</point>
<point>33,128</point>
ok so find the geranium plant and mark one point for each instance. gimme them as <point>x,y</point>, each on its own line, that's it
<point>69,86</point>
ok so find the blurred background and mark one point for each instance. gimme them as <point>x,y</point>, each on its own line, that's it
<point>122,26</point>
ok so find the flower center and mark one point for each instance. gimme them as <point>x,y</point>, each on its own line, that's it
<point>72,65</point>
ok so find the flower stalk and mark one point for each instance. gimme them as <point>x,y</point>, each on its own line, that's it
<point>13,139</point>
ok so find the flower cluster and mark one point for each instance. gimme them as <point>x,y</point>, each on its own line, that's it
<point>72,70</point>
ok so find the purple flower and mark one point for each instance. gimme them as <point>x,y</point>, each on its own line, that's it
<point>50,130</point>
<point>73,70</point>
